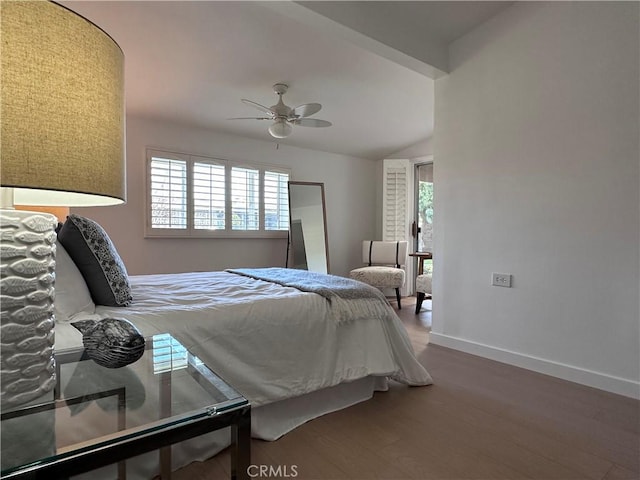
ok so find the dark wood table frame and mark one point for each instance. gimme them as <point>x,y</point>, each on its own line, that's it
<point>422,256</point>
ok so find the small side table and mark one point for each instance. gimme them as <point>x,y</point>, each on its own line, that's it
<point>422,256</point>
<point>165,370</point>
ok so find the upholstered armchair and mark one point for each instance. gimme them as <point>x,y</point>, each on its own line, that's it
<point>423,288</point>
<point>384,265</point>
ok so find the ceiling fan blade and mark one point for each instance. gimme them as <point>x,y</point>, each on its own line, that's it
<point>306,110</point>
<point>250,118</point>
<point>311,122</point>
<point>262,108</point>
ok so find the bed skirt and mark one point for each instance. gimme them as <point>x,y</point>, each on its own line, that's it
<point>268,422</point>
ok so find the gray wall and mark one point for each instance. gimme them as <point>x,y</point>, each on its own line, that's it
<point>537,174</point>
<point>350,190</point>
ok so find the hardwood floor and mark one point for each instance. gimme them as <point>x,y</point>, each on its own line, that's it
<point>479,420</point>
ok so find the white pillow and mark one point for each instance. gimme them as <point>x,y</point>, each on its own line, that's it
<point>72,293</point>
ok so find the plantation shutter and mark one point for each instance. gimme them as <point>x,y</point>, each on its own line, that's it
<point>198,196</point>
<point>245,198</point>
<point>396,200</point>
<point>168,179</point>
<point>209,196</point>
<point>397,209</point>
<point>276,201</point>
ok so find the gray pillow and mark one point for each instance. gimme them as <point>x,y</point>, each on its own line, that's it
<point>96,257</point>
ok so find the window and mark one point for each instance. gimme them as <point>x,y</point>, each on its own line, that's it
<point>194,196</point>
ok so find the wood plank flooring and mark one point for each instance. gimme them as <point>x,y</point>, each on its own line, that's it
<point>479,420</point>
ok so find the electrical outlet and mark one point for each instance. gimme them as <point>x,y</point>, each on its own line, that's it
<point>501,279</point>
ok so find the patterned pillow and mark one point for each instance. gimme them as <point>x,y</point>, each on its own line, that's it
<point>96,257</point>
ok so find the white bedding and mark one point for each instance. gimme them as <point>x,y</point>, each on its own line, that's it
<point>276,345</point>
<point>269,342</point>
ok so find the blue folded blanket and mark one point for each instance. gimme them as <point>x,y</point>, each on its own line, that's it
<point>350,299</point>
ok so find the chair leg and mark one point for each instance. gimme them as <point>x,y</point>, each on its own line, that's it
<point>421,296</point>
<point>398,298</point>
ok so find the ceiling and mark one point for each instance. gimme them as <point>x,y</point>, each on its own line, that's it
<point>191,62</point>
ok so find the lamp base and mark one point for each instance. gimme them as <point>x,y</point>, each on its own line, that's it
<point>27,266</point>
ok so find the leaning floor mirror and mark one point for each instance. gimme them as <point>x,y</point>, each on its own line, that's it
<point>308,246</point>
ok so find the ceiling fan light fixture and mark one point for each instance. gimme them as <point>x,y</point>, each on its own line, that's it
<point>284,117</point>
<point>280,128</point>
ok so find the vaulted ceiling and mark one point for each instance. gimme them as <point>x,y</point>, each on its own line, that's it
<point>370,64</point>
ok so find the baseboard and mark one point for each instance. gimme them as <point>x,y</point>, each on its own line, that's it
<point>590,378</point>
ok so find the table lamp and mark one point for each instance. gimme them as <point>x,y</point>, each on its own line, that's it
<point>61,144</point>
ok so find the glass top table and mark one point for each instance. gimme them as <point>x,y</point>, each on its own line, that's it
<point>98,416</point>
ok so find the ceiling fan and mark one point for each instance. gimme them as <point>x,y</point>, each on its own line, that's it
<point>285,117</point>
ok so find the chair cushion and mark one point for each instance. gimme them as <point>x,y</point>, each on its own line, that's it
<point>423,283</point>
<point>381,277</point>
<point>383,253</point>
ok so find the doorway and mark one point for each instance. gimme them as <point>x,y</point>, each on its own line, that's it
<point>423,220</point>
<point>423,236</point>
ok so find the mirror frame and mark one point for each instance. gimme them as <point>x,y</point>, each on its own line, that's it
<point>324,218</point>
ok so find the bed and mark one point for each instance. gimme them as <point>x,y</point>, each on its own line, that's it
<point>296,353</point>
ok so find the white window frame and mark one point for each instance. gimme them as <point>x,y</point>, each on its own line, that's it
<point>228,232</point>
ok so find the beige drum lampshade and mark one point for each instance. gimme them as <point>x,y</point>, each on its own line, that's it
<point>61,144</point>
<point>62,108</point>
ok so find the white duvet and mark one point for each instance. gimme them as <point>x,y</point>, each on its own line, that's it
<point>269,342</point>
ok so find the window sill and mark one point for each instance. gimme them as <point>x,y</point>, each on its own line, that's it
<point>216,235</point>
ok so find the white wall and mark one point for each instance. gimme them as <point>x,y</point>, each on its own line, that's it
<point>350,190</point>
<point>537,174</point>
<point>420,149</point>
